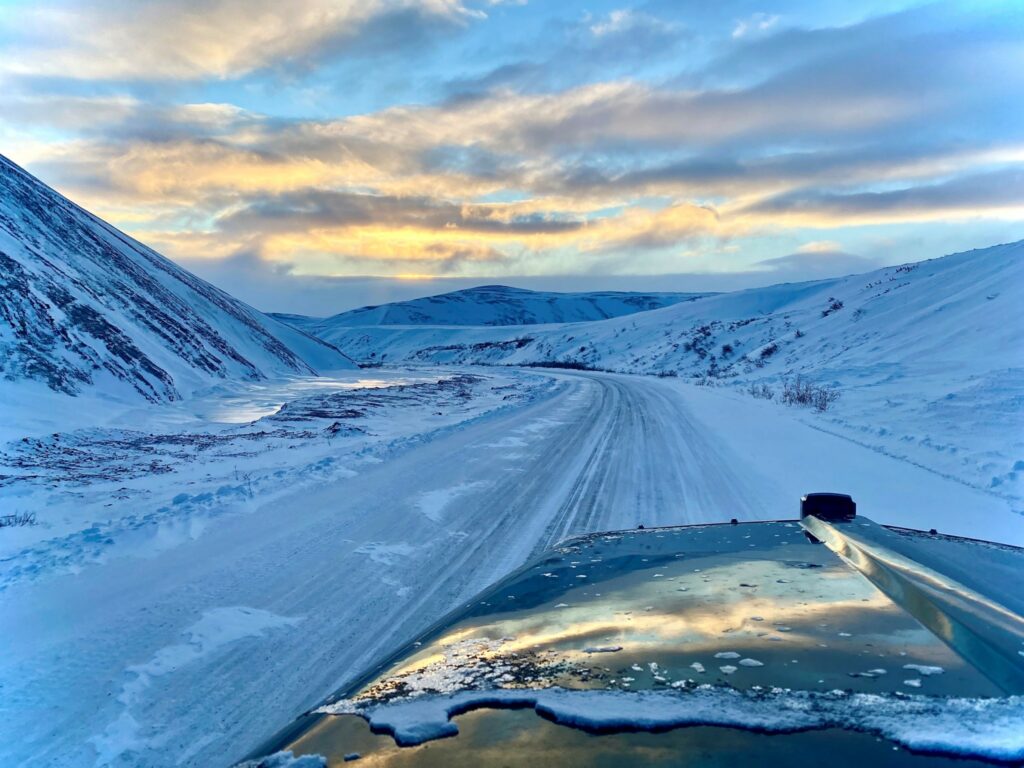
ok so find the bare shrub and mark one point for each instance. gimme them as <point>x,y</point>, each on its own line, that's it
<point>824,396</point>
<point>18,520</point>
<point>575,365</point>
<point>801,391</point>
<point>761,391</point>
<point>834,306</point>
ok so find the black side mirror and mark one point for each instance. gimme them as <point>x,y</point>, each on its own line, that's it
<point>833,507</point>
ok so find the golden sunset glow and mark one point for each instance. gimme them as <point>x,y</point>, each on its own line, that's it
<point>389,139</point>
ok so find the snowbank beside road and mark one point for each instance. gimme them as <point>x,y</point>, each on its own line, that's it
<point>106,490</point>
<point>792,456</point>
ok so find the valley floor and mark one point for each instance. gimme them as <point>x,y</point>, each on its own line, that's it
<point>193,651</point>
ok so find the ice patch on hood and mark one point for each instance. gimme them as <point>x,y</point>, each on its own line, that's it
<point>988,728</point>
<point>286,760</point>
<point>924,669</point>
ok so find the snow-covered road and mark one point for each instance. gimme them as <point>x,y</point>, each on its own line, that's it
<point>193,654</point>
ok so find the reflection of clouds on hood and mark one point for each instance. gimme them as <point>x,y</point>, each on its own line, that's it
<point>652,619</point>
<point>454,137</point>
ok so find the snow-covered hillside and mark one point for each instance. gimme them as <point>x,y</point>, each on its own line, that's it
<point>928,358</point>
<point>959,308</point>
<point>85,307</point>
<point>492,305</point>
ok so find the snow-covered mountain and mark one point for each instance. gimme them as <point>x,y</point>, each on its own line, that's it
<point>928,358</point>
<point>959,309</point>
<point>84,307</point>
<point>492,305</point>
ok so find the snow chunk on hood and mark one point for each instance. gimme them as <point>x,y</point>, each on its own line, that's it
<point>953,726</point>
<point>286,760</point>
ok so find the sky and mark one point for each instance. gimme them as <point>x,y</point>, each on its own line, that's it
<point>316,155</point>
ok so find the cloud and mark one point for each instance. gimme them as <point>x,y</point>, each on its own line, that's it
<point>567,54</point>
<point>829,108</point>
<point>995,193</point>
<point>758,23</point>
<point>313,209</point>
<point>818,260</point>
<point>627,20</point>
<point>190,39</point>
<point>641,228</point>
<point>820,247</point>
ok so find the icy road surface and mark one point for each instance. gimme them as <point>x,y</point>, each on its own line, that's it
<point>192,654</point>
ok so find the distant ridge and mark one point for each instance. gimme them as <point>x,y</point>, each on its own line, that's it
<point>492,305</point>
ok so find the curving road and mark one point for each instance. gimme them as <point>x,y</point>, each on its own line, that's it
<point>304,593</point>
